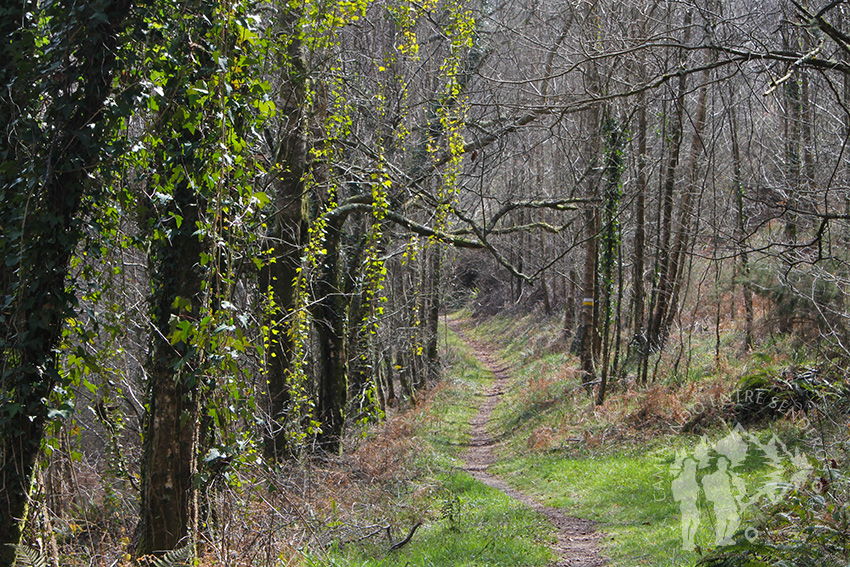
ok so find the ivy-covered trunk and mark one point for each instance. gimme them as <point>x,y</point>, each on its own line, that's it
<point>277,280</point>
<point>286,238</point>
<point>330,314</point>
<point>610,240</point>
<point>29,373</point>
<point>45,183</point>
<point>169,443</point>
<point>180,258</point>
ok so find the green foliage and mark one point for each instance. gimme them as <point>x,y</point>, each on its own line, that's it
<point>452,105</point>
<point>205,109</point>
<point>451,510</point>
<point>44,195</point>
<point>28,557</point>
<point>59,114</point>
<point>766,394</point>
<point>804,529</point>
<point>180,557</point>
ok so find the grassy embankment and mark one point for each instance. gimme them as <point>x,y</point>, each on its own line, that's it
<point>610,463</point>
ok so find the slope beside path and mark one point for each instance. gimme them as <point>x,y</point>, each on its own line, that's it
<point>578,540</point>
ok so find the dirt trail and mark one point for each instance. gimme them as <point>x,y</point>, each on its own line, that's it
<point>578,541</point>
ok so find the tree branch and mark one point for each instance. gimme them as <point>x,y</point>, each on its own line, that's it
<point>406,540</point>
<point>842,39</point>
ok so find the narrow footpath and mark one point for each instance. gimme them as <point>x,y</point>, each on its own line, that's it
<point>578,540</point>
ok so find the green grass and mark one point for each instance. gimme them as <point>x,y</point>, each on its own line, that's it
<point>445,425</point>
<point>467,523</point>
<point>626,493</point>
<point>476,526</point>
<point>599,465</point>
<point>595,463</point>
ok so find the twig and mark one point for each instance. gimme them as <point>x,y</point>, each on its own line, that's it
<point>406,540</point>
<point>794,66</point>
<point>377,531</point>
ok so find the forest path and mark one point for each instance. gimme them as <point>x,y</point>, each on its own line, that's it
<point>578,540</point>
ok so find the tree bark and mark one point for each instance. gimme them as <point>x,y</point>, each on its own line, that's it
<point>34,298</point>
<point>610,238</point>
<point>432,358</point>
<point>686,212</point>
<point>389,380</point>
<point>330,316</point>
<point>740,225</point>
<point>586,337</point>
<point>171,422</point>
<point>570,303</point>
<point>171,430</point>
<point>793,115</point>
<point>662,291</point>
<point>286,239</point>
<point>639,340</point>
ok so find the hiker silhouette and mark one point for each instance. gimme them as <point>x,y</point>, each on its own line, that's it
<point>686,493</point>
<point>725,491</point>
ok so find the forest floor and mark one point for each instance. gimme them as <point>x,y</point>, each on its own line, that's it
<point>508,461</point>
<point>577,539</point>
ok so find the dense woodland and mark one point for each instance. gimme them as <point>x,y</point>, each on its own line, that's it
<point>228,230</point>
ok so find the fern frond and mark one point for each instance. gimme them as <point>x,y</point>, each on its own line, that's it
<point>175,558</point>
<point>28,557</point>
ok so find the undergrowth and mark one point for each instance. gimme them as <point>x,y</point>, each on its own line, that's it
<point>613,463</point>
<point>616,463</point>
<point>355,509</point>
<point>463,521</point>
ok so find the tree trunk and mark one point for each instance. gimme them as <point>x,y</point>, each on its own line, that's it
<point>845,171</point>
<point>793,110</point>
<point>330,316</point>
<point>807,118</point>
<point>570,304</point>
<point>405,376</point>
<point>34,296</point>
<point>662,291</point>
<point>616,364</point>
<point>740,226</point>
<point>683,232</point>
<point>610,237</point>
<point>179,282</point>
<point>587,332</point>
<point>363,363</point>
<point>286,239</point>
<point>170,425</point>
<point>432,333</point>
<point>639,341</point>
<point>389,380</point>
<point>587,343</point>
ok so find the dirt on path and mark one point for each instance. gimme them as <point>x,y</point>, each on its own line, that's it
<point>578,540</point>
